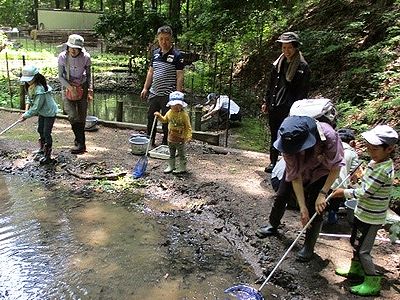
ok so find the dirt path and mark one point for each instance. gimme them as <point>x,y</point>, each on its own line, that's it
<point>222,200</point>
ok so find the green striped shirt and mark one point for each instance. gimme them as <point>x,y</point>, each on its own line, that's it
<point>373,194</point>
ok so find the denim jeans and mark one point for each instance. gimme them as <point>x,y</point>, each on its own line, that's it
<point>45,126</point>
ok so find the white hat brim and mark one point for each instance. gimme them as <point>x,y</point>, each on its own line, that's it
<point>73,46</point>
<point>371,138</point>
<point>26,78</point>
<point>175,102</point>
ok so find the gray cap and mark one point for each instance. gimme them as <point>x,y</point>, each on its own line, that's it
<point>381,134</point>
<point>289,37</point>
<point>211,97</point>
<point>164,29</point>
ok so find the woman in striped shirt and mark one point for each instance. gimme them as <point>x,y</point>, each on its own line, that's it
<point>370,212</point>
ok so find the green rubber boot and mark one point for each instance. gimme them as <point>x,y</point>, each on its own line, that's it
<point>171,166</point>
<point>181,167</point>
<point>355,271</point>
<point>370,287</point>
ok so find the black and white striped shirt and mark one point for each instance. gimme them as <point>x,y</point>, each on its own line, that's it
<point>164,71</point>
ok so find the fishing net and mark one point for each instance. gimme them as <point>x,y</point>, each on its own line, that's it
<point>140,167</point>
<point>244,292</point>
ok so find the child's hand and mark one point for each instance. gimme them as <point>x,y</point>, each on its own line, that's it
<point>157,114</point>
<point>21,118</point>
<point>73,91</point>
<point>90,95</point>
<point>338,193</point>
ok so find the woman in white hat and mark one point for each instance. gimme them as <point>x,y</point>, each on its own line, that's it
<point>179,131</point>
<point>74,73</point>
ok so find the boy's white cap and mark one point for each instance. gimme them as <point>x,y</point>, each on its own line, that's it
<point>381,134</point>
<point>28,72</point>
<point>176,98</point>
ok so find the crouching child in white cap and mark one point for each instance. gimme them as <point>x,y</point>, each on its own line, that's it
<point>370,212</point>
<point>179,132</point>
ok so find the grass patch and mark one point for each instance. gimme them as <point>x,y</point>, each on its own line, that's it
<point>251,135</point>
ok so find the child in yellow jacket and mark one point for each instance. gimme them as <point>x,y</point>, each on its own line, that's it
<point>179,131</point>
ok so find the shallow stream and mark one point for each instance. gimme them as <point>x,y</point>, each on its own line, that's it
<point>55,245</point>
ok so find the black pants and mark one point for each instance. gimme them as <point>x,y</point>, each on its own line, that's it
<point>284,193</point>
<point>275,119</point>
<point>157,103</point>
<point>223,116</point>
<point>45,127</point>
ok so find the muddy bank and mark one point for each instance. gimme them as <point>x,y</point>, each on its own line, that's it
<point>215,208</point>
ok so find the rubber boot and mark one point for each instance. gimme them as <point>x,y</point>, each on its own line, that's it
<point>307,252</point>
<point>370,287</point>
<point>38,154</point>
<point>79,131</point>
<point>273,157</point>
<point>171,166</point>
<point>47,156</point>
<point>181,168</point>
<point>355,271</point>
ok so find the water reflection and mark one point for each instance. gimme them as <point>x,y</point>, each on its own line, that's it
<point>104,107</point>
<point>56,246</point>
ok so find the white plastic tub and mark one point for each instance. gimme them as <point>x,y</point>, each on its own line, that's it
<point>139,144</point>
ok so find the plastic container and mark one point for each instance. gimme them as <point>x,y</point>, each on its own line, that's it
<point>161,152</point>
<point>139,144</point>
<point>350,206</point>
<point>91,123</point>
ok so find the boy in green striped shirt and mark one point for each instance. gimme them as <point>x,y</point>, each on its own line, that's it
<point>372,204</point>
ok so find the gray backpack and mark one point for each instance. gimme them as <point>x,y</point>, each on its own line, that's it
<point>314,108</point>
<point>321,109</point>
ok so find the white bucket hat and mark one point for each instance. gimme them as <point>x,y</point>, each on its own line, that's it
<point>176,98</point>
<point>28,72</point>
<point>75,41</point>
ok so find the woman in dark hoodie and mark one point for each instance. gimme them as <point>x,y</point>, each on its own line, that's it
<point>289,81</point>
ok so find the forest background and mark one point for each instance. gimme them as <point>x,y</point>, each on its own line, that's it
<point>352,48</point>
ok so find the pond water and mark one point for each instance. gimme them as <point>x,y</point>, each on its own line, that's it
<point>54,245</point>
<point>104,107</point>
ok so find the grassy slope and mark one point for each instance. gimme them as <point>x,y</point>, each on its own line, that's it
<point>353,48</point>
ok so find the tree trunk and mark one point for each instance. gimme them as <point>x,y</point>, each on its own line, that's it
<point>58,3</point>
<point>139,4</point>
<point>67,4</point>
<point>174,15</point>
<point>187,13</point>
<point>81,4</point>
<point>35,10</point>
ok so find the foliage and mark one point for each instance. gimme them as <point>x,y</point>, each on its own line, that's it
<point>3,40</point>
<point>15,13</point>
<point>136,29</point>
<point>394,232</point>
<point>252,134</point>
<point>122,184</point>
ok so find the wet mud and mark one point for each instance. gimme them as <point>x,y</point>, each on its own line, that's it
<point>209,214</point>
